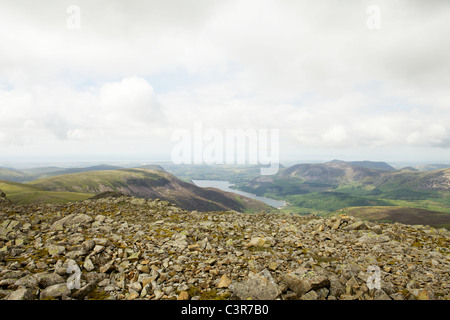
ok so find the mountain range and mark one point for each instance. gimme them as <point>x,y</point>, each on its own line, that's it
<point>364,188</point>
<point>26,175</point>
<point>138,182</point>
<point>323,188</point>
<point>376,178</point>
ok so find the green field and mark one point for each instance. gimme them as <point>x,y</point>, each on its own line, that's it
<point>27,194</point>
<point>89,182</point>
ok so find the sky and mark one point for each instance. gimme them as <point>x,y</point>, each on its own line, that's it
<point>111,80</point>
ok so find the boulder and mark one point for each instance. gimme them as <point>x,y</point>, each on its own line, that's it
<point>359,225</point>
<point>55,291</point>
<point>303,280</point>
<point>71,220</point>
<point>260,286</point>
<point>22,294</point>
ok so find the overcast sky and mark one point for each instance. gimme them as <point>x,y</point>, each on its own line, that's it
<point>117,87</point>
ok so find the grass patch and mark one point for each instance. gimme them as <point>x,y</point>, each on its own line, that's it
<point>22,193</point>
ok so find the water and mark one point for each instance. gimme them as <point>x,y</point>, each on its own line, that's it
<point>225,186</point>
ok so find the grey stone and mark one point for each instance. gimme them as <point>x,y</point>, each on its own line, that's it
<point>381,295</point>
<point>71,220</point>
<point>54,249</point>
<point>311,295</point>
<point>29,282</point>
<point>49,279</point>
<point>372,238</point>
<point>303,280</point>
<point>359,225</point>
<point>322,293</point>
<point>260,286</point>
<point>136,286</point>
<point>88,245</point>
<point>22,294</point>
<point>88,265</point>
<point>84,291</point>
<point>55,291</point>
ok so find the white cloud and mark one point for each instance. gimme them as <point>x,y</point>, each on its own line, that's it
<point>128,108</point>
<point>311,69</point>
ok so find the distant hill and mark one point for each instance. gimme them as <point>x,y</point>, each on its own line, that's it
<point>323,188</point>
<point>334,172</point>
<point>231,173</point>
<point>41,170</point>
<point>411,216</point>
<point>409,168</point>
<point>373,165</point>
<point>13,175</point>
<point>416,180</point>
<point>309,177</point>
<point>313,177</point>
<point>27,175</point>
<point>23,193</point>
<point>144,183</point>
<point>156,167</point>
<point>102,167</point>
<point>431,167</point>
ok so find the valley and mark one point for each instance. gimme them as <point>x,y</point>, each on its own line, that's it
<point>375,190</point>
<point>142,233</point>
<point>138,182</point>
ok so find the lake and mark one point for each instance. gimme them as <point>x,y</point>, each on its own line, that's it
<point>225,186</point>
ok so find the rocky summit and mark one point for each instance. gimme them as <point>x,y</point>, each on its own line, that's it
<point>129,248</point>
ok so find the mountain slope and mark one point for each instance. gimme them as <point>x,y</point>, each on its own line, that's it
<point>334,172</point>
<point>326,187</point>
<point>303,178</point>
<point>429,180</point>
<point>411,216</point>
<point>27,175</point>
<point>102,167</point>
<point>313,177</point>
<point>13,175</point>
<point>432,167</point>
<point>144,183</point>
<point>373,165</point>
<point>22,193</point>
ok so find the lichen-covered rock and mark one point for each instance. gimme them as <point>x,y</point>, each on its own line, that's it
<point>359,225</point>
<point>49,279</point>
<point>81,293</point>
<point>70,220</point>
<point>260,286</point>
<point>303,280</point>
<point>55,291</point>
<point>120,248</point>
<point>373,238</point>
<point>22,294</point>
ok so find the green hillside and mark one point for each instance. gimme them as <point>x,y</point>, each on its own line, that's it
<point>27,175</point>
<point>323,188</point>
<point>97,181</point>
<point>26,194</point>
<point>13,175</point>
<point>150,184</point>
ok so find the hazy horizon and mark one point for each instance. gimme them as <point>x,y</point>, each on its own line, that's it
<point>107,81</point>
<point>130,164</point>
